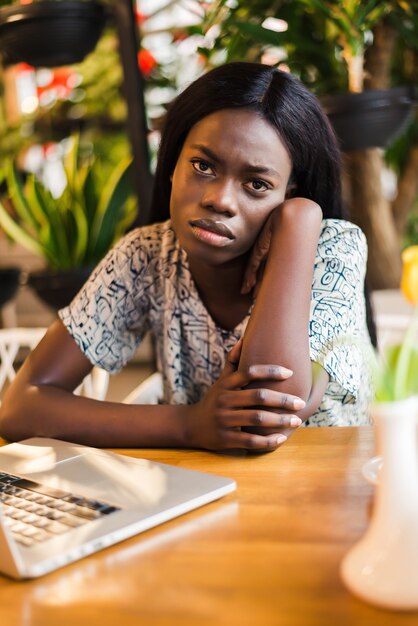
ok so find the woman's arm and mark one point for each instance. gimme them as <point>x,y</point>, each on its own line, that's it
<point>278,328</point>
<point>40,402</point>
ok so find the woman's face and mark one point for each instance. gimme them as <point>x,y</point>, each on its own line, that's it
<point>232,172</point>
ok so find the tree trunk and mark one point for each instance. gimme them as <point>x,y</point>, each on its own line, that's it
<point>407,191</point>
<point>378,57</point>
<point>368,206</point>
<point>372,212</point>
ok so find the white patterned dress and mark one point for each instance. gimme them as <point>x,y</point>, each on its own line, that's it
<point>144,284</point>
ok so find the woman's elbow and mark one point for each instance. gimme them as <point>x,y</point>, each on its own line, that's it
<point>15,411</point>
<point>7,424</point>
<point>320,379</point>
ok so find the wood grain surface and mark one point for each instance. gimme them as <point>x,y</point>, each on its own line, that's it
<point>266,555</point>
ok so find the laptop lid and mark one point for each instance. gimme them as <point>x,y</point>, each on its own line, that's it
<point>138,493</point>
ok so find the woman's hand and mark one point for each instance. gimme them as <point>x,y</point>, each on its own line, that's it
<point>259,253</point>
<point>256,263</point>
<point>216,421</point>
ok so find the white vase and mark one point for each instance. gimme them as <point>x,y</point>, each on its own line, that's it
<point>382,568</point>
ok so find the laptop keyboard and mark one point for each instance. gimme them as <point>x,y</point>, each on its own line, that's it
<point>36,512</point>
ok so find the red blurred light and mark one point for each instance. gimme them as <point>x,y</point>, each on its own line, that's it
<point>146,61</point>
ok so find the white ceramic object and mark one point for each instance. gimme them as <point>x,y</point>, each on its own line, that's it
<point>371,469</point>
<point>382,568</point>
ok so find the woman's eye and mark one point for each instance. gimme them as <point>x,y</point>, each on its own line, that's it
<point>258,185</point>
<point>201,166</point>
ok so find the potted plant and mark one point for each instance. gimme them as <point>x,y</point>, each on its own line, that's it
<point>45,32</point>
<point>371,118</point>
<point>335,46</point>
<point>330,38</point>
<point>71,232</point>
<point>9,283</point>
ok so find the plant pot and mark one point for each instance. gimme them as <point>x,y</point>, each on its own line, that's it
<point>370,119</point>
<point>50,33</point>
<point>57,288</point>
<point>9,283</point>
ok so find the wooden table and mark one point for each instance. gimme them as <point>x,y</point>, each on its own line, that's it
<point>267,555</point>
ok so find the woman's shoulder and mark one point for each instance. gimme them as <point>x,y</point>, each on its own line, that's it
<point>141,251</point>
<point>336,228</point>
<point>343,236</point>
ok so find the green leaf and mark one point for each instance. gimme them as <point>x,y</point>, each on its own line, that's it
<point>373,17</point>
<point>260,34</point>
<point>115,193</point>
<point>403,364</point>
<point>365,9</point>
<point>58,234</point>
<point>268,37</point>
<point>45,233</point>
<point>71,162</point>
<point>77,228</point>
<point>17,196</point>
<point>408,34</point>
<point>17,233</point>
<point>128,215</point>
<point>35,201</point>
<point>89,193</point>
<point>321,6</point>
<point>79,251</point>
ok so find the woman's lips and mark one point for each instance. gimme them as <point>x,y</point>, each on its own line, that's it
<point>212,226</point>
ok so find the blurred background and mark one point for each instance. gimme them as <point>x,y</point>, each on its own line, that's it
<point>84,85</point>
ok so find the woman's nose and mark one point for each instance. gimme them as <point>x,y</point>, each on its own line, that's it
<point>221,197</point>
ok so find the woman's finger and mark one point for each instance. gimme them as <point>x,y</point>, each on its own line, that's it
<point>232,360</point>
<point>234,354</point>
<point>259,418</point>
<point>261,397</point>
<point>235,439</point>
<point>241,378</point>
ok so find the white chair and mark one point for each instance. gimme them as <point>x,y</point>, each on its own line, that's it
<point>13,340</point>
<point>150,391</point>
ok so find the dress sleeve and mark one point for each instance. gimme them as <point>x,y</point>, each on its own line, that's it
<point>338,317</point>
<point>109,316</point>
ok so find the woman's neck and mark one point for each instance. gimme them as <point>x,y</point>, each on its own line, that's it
<point>219,288</point>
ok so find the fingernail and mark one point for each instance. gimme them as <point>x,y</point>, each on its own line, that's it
<point>284,371</point>
<point>298,403</point>
<point>280,439</point>
<point>295,421</point>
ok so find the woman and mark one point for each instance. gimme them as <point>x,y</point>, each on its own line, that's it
<point>255,250</point>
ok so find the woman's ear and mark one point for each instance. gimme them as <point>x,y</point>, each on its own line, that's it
<point>290,190</point>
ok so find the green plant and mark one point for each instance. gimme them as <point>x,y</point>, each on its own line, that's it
<point>396,370</point>
<point>325,42</point>
<point>350,23</point>
<point>76,229</point>
<point>335,46</point>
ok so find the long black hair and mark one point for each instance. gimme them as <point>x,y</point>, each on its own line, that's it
<point>283,101</point>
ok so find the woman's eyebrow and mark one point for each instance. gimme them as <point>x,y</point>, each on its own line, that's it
<point>211,155</point>
<point>256,169</point>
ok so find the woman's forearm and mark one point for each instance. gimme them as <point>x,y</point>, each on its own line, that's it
<point>278,330</point>
<point>48,411</point>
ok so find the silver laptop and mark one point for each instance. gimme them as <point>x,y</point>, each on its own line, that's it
<point>62,501</point>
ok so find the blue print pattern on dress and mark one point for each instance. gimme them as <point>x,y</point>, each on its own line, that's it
<point>144,284</point>
<point>338,317</point>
